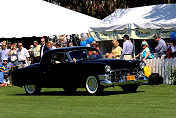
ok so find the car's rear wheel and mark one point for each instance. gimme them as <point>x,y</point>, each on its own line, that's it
<point>93,86</point>
<point>32,89</point>
<point>130,87</point>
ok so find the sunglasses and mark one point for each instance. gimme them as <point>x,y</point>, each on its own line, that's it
<point>42,41</point>
<point>19,45</point>
<point>5,61</point>
<point>3,45</point>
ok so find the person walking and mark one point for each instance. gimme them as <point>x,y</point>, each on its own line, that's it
<point>145,53</point>
<point>127,48</point>
<point>22,56</point>
<point>43,47</point>
<point>161,48</point>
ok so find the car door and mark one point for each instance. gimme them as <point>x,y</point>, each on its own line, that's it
<point>58,69</point>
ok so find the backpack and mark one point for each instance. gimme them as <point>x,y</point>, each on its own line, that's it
<point>155,79</point>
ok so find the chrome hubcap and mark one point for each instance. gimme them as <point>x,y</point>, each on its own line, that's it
<point>30,88</point>
<point>91,84</point>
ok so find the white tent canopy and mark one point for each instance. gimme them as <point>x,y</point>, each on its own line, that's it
<point>27,18</point>
<point>141,20</point>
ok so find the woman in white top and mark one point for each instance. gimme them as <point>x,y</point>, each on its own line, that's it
<point>145,53</point>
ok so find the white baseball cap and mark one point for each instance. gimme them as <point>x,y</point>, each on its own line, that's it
<point>5,59</point>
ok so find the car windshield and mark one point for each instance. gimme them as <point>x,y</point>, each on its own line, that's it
<point>85,54</point>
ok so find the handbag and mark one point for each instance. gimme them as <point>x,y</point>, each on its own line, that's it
<point>150,56</point>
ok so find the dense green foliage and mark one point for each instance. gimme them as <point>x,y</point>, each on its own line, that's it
<point>102,8</point>
<point>173,75</point>
<point>148,102</point>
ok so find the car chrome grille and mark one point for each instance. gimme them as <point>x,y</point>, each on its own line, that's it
<point>118,73</point>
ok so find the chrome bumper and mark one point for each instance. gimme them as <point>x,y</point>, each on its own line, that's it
<point>106,80</point>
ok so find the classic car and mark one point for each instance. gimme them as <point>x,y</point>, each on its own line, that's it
<point>79,67</point>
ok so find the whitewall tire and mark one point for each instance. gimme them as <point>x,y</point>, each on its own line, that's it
<point>92,85</point>
<point>32,89</point>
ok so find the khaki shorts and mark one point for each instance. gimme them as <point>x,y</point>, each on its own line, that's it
<point>127,57</point>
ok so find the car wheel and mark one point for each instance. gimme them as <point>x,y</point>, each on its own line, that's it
<point>130,87</point>
<point>93,86</point>
<point>32,89</point>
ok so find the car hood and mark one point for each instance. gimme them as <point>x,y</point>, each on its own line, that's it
<point>115,63</point>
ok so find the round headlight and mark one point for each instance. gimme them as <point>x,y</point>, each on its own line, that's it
<point>142,65</point>
<point>107,68</point>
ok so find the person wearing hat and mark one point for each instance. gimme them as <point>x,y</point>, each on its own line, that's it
<point>145,53</point>
<point>95,45</point>
<point>127,48</point>
<point>4,73</point>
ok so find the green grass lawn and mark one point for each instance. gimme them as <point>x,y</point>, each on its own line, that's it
<point>148,102</point>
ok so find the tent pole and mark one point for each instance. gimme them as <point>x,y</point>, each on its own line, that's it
<point>134,48</point>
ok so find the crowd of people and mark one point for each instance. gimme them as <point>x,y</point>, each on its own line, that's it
<point>15,55</point>
<point>162,50</point>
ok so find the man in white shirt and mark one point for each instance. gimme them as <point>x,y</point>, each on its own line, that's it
<point>22,55</point>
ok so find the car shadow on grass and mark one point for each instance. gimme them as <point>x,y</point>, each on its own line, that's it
<point>77,93</point>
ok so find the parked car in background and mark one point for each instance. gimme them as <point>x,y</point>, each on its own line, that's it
<point>73,67</point>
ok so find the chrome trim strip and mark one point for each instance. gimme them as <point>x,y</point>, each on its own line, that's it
<point>107,80</point>
<point>108,83</point>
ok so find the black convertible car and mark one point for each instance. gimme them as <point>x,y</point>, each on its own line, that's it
<point>79,67</point>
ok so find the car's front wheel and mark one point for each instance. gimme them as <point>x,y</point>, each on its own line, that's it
<point>93,86</point>
<point>32,89</point>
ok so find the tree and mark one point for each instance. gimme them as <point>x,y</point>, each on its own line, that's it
<point>102,8</point>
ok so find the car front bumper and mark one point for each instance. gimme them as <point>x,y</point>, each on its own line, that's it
<point>107,80</point>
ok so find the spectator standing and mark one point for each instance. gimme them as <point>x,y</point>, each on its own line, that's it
<point>4,52</point>
<point>58,45</point>
<point>13,55</point>
<point>48,46</point>
<point>4,73</point>
<point>36,52</point>
<point>69,44</point>
<point>171,51</point>
<point>127,48</point>
<point>52,45</point>
<point>22,56</point>
<point>116,50</point>
<point>43,47</point>
<point>161,48</point>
